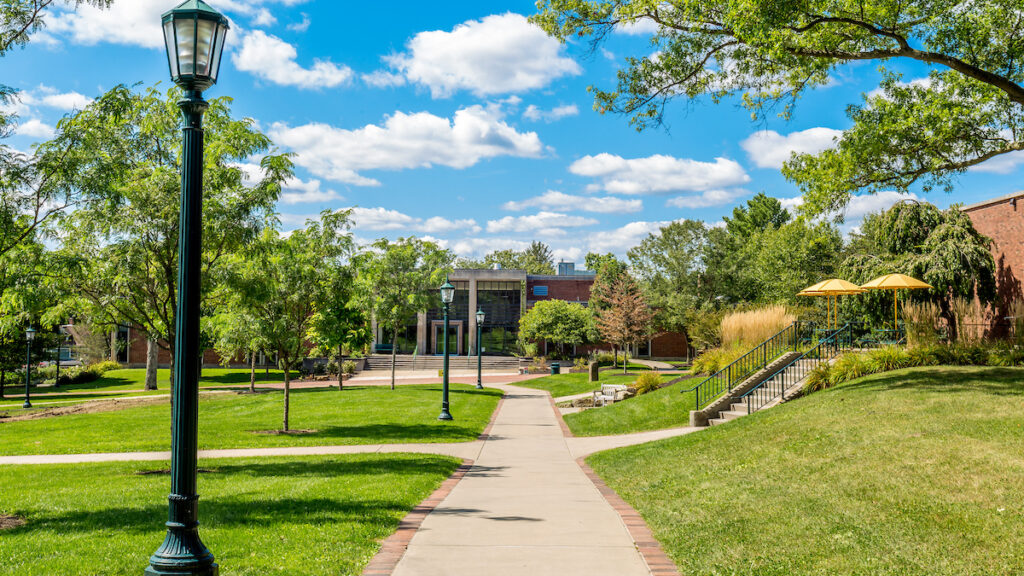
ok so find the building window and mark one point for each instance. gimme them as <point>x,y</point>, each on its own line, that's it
<point>540,290</point>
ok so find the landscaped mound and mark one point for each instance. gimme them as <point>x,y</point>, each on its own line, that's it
<point>915,472</point>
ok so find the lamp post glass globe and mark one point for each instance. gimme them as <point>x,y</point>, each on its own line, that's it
<point>194,35</point>
<point>447,292</point>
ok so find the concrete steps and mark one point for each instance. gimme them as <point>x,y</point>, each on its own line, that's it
<point>739,409</point>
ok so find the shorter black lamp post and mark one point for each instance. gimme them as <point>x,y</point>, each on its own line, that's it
<point>479,349</point>
<point>447,296</point>
<point>30,335</point>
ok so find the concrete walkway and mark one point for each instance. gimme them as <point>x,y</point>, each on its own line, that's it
<point>525,508</point>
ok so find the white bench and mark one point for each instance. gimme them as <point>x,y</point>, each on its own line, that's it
<point>609,394</point>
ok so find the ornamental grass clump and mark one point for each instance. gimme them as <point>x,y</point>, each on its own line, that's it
<point>713,360</point>
<point>922,321</point>
<point>887,358</point>
<point>819,378</point>
<point>754,326</point>
<point>647,382</point>
<point>849,367</point>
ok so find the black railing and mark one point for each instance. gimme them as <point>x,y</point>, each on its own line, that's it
<point>788,339</point>
<point>829,346</point>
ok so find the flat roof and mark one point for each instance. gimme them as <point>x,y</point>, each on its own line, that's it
<point>993,201</point>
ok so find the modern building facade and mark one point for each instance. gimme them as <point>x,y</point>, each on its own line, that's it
<point>504,296</point>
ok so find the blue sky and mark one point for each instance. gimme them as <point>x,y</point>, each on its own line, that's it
<point>459,121</point>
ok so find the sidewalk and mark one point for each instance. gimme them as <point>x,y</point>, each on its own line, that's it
<point>524,508</point>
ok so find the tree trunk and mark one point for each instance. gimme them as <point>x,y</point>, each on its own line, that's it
<point>615,356</point>
<point>266,367</point>
<point>287,390</point>
<point>3,381</point>
<point>394,351</point>
<point>252,371</point>
<point>341,368</point>
<point>152,356</point>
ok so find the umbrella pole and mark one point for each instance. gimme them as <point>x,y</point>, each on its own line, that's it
<point>895,310</point>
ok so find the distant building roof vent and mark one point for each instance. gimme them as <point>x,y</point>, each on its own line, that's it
<point>566,268</point>
<point>497,266</point>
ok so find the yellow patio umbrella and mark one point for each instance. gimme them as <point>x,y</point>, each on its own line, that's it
<point>833,288</point>
<point>895,282</point>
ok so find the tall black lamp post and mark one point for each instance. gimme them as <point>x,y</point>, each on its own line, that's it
<point>30,335</point>
<point>447,296</point>
<point>194,34</point>
<point>479,349</point>
<point>60,340</point>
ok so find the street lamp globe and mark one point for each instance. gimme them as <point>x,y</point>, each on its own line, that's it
<point>194,34</point>
<point>480,316</point>
<point>30,334</point>
<point>447,292</point>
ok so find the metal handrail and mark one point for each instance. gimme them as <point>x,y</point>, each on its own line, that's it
<point>743,367</point>
<point>794,371</point>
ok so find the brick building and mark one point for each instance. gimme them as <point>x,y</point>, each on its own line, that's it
<point>1002,220</point>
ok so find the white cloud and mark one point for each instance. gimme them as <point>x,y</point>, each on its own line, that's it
<point>301,26</point>
<point>405,141</point>
<point>298,191</point>
<point>273,59</point>
<point>658,174</point>
<point>769,149</point>
<point>498,54</point>
<point>137,22</point>
<point>557,113</point>
<point>1002,164</point>
<point>706,199</point>
<point>925,83</point>
<point>66,101</point>
<point>638,27</point>
<point>263,17</point>
<point>35,128</point>
<point>383,79</point>
<point>859,206</point>
<point>541,224</point>
<point>382,219</point>
<point>559,201</point>
<point>620,240</point>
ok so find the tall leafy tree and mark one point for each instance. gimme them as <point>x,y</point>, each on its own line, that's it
<point>609,271</point>
<point>671,268</point>
<point>970,109</point>
<point>559,322</point>
<point>278,283</point>
<point>536,259</point>
<point>396,280</point>
<point>339,322</point>
<point>130,241</point>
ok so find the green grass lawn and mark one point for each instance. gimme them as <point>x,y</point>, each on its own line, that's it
<point>909,473</point>
<point>664,408</point>
<point>287,516</point>
<point>569,384</point>
<point>12,405</point>
<point>358,415</point>
<point>135,379</point>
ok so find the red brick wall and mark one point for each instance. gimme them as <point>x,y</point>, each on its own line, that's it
<point>1003,222</point>
<point>137,352</point>
<point>669,345</point>
<point>567,288</point>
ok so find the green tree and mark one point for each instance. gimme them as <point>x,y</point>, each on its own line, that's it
<point>130,154</point>
<point>396,280</point>
<point>670,266</point>
<point>238,333</point>
<point>769,53</point>
<point>537,259</point>
<point>278,283</point>
<point>339,322</point>
<point>557,321</point>
<point>609,270</point>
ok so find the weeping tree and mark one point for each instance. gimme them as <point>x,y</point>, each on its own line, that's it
<point>941,247</point>
<point>767,53</point>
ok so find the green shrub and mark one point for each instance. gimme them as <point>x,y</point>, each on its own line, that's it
<point>647,382</point>
<point>887,358</point>
<point>332,367</point>
<point>819,378</point>
<point>967,355</point>
<point>580,364</point>
<point>348,367</point>
<point>848,367</point>
<point>602,358</point>
<point>101,368</point>
<point>931,355</point>
<point>1006,355</point>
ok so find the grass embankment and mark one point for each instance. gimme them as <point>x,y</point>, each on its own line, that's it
<point>287,516</point>
<point>367,415</point>
<point>664,408</point>
<point>907,473</point>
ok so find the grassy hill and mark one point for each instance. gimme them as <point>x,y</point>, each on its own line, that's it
<point>915,472</point>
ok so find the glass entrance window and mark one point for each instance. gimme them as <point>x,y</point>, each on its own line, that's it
<point>455,338</point>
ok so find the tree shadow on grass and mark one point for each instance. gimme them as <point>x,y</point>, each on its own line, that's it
<point>400,433</point>
<point>230,510</point>
<point>995,381</point>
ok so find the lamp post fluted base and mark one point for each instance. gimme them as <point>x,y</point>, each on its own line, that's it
<point>445,415</point>
<point>27,404</point>
<point>182,554</point>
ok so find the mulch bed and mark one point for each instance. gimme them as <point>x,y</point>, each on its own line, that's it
<point>285,432</point>
<point>11,522</point>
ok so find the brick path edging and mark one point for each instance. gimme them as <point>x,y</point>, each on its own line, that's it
<point>657,561</point>
<point>558,416</point>
<point>494,416</point>
<point>394,546</point>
